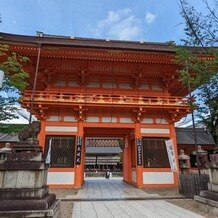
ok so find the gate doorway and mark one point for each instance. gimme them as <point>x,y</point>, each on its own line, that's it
<point>105,152</point>
<point>103,157</point>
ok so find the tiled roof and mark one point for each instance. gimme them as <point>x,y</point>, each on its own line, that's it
<point>186,136</point>
<point>87,42</point>
<point>103,150</point>
<point>8,137</point>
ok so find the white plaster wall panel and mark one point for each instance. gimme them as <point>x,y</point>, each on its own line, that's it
<point>125,120</point>
<point>155,87</point>
<point>92,119</point>
<point>124,86</point>
<point>109,119</point>
<point>161,121</point>
<point>69,119</point>
<point>60,83</point>
<point>61,128</point>
<point>72,84</point>
<point>155,130</point>
<point>60,178</point>
<point>93,85</point>
<point>158,178</point>
<point>53,118</point>
<point>147,120</point>
<point>133,176</point>
<point>109,85</point>
<point>144,87</point>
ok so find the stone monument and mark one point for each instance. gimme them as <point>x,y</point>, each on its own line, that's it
<point>208,199</point>
<point>23,178</point>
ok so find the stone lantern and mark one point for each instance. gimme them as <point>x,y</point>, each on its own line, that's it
<point>184,162</point>
<point>208,199</point>
<point>23,178</point>
<point>202,155</point>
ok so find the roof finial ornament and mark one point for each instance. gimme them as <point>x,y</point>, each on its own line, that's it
<point>39,34</point>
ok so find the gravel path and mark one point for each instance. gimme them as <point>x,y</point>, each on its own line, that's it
<point>191,205</point>
<point>188,204</point>
<point>66,206</point>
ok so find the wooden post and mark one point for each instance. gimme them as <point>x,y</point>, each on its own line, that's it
<point>138,147</point>
<point>173,137</point>
<point>42,135</point>
<point>127,167</point>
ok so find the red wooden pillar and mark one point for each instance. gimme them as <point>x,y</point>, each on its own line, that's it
<point>79,166</point>
<point>173,137</point>
<point>139,168</point>
<point>127,160</point>
<point>42,134</point>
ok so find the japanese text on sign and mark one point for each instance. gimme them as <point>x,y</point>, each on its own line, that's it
<point>78,150</point>
<point>171,155</point>
<point>139,151</point>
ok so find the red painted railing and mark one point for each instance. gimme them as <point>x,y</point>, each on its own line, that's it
<point>102,99</point>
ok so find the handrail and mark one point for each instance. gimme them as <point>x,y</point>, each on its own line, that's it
<point>51,96</point>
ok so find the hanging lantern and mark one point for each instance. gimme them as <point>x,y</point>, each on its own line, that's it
<point>1,78</point>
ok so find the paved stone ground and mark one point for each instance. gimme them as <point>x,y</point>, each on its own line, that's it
<point>100,190</point>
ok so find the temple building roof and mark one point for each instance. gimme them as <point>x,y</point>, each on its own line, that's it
<point>87,42</point>
<point>186,136</point>
<point>103,150</point>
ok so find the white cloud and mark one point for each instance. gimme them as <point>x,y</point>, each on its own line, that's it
<point>120,24</point>
<point>150,18</point>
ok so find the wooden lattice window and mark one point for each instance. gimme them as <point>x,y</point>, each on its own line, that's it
<point>62,150</point>
<point>155,153</point>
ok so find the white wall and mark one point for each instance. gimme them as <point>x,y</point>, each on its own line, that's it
<point>158,178</point>
<point>155,130</point>
<point>61,129</point>
<point>60,178</point>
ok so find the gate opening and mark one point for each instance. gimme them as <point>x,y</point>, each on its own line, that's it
<point>103,157</point>
<point>104,152</point>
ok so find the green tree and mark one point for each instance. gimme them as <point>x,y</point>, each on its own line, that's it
<point>199,66</point>
<point>14,82</point>
<point>201,28</point>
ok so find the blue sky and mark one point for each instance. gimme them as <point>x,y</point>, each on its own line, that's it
<point>147,20</point>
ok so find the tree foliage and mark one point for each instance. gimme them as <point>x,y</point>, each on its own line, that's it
<point>14,82</point>
<point>199,66</point>
<point>12,128</point>
<point>201,28</point>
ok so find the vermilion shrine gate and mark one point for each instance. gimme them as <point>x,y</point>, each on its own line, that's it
<point>103,88</point>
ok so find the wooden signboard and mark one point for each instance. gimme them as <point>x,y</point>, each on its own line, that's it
<point>139,151</point>
<point>78,150</point>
